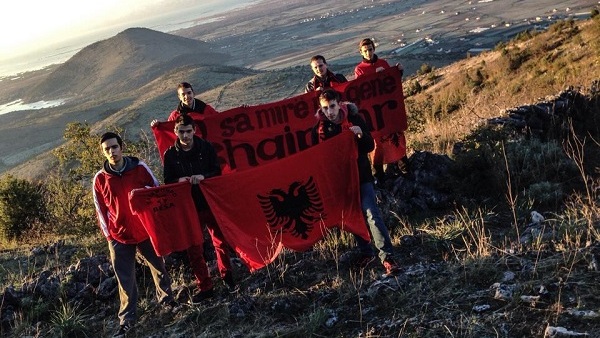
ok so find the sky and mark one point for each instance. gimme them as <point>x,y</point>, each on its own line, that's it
<point>35,25</point>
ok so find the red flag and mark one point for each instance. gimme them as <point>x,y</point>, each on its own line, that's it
<point>250,136</point>
<point>169,216</point>
<point>291,202</point>
<point>380,99</point>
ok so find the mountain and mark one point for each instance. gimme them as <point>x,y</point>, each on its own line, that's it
<point>100,81</point>
<point>128,60</point>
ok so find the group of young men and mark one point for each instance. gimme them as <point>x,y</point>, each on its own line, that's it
<point>194,159</point>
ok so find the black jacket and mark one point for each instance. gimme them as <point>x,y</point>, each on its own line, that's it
<point>200,160</point>
<point>318,83</point>
<point>366,144</point>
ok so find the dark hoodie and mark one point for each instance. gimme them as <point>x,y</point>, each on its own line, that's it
<point>320,83</point>
<point>325,129</point>
<point>200,160</point>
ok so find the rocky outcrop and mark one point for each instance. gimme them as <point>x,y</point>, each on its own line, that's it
<point>553,115</point>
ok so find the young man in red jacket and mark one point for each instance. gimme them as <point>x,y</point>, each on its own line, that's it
<point>371,64</point>
<point>124,231</point>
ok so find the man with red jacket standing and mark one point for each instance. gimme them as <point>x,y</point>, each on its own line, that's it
<point>371,64</point>
<point>124,231</point>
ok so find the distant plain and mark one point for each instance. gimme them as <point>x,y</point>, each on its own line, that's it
<point>268,47</point>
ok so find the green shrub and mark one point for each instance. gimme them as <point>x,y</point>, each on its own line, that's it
<point>425,69</point>
<point>413,88</point>
<point>516,59</point>
<point>21,207</point>
<point>80,157</point>
<point>69,190</point>
<point>69,320</point>
<point>524,35</point>
<point>533,161</point>
<point>476,167</point>
<point>70,206</point>
<point>476,80</point>
<point>545,194</point>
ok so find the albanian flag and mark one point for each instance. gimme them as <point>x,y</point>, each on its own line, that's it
<point>289,203</point>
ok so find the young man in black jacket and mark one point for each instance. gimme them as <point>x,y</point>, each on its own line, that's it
<point>323,76</point>
<point>335,117</point>
<point>194,159</point>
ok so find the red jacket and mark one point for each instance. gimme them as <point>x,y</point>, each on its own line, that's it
<point>200,109</point>
<point>111,198</point>
<point>367,67</point>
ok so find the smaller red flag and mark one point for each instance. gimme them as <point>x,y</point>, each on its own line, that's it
<point>169,216</point>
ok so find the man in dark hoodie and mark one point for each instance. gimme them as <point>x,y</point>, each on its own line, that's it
<point>124,231</point>
<point>323,76</point>
<point>335,117</point>
<point>194,159</point>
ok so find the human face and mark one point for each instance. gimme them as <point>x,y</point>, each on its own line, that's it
<point>185,134</point>
<point>112,151</point>
<point>367,52</point>
<point>319,67</point>
<point>186,96</point>
<point>331,109</point>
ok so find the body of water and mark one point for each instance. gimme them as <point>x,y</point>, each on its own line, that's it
<point>17,105</point>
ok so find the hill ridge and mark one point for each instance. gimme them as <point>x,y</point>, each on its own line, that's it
<point>127,60</point>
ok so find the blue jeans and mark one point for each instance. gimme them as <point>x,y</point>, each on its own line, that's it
<point>379,232</point>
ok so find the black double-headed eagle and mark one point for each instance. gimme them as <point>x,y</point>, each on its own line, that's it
<point>296,210</point>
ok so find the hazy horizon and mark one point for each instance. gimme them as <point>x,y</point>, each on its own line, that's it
<point>45,54</point>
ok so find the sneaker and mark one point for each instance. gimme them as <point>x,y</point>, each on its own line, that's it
<point>171,306</point>
<point>230,282</point>
<point>364,261</point>
<point>201,296</point>
<point>123,330</point>
<point>391,267</point>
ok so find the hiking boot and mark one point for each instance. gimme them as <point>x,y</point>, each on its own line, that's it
<point>171,306</point>
<point>124,330</point>
<point>391,267</point>
<point>403,166</point>
<point>230,282</point>
<point>201,296</point>
<point>364,261</point>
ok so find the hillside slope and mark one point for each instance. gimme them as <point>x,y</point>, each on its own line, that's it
<point>124,62</point>
<point>448,103</point>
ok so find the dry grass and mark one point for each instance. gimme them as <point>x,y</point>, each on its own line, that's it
<point>453,103</point>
